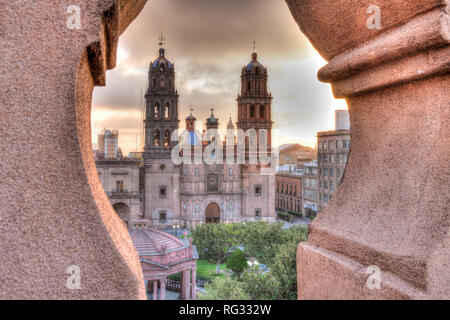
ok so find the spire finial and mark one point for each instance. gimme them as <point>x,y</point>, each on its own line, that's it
<point>212,110</point>
<point>254,46</point>
<point>161,40</point>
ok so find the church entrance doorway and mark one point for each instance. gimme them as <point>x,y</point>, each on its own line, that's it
<point>212,214</point>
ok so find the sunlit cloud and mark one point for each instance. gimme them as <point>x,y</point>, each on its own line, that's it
<point>209,42</point>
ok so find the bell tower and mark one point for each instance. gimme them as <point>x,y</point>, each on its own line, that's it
<point>162,176</point>
<point>254,101</point>
<point>161,108</point>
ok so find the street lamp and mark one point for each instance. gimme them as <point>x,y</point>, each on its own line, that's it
<point>176,227</point>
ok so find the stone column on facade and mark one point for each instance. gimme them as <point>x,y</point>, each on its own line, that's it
<point>155,289</point>
<point>194,285</point>
<point>373,241</point>
<point>162,284</point>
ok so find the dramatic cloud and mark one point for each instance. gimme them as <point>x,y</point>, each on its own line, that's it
<point>209,41</point>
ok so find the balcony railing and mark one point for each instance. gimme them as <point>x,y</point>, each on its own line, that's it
<point>124,194</point>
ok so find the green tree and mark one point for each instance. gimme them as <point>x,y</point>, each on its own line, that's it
<point>237,262</point>
<point>215,241</point>
<point>224,289</point>
<point>259,286</point>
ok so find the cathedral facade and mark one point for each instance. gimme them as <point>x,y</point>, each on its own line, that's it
<point>191,193</point>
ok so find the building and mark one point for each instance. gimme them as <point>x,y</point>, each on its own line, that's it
<point>293,156</point>
<point>333,150</point>
<point>289,192</point>
<point>162,255</point>
<point>191,194</point>
<point>310,191</point>
<point>120,179</point>
<point>108,143</point>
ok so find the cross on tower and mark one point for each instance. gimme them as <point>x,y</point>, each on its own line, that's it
<point>161,39</point>
<point>254,46</point>
<point>212,110</point>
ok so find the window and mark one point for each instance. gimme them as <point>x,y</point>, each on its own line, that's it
<point>197,172</point>
<point>185,172</point>
<point>197,207</point>
<point>167,138</point>
<point>338,159</point>
<point>167,111</point>
<point>162,191</point>
<point>154,83</point>
<point>230,206</point>
<point>213,182</point>
<point>325,172</point>
<point>338,172</point>
<point>337,144</point>
<point>262,112</point>
<point>156,138</point>
<point>325,184</point>
<point>156,110</point>
<point>258,190</point>
<point>230,172</point>
<point>344,159</point>
<point>331,185</point>
<point>324,145</point>
<point>331,158</point>
<point>162,217</point>
<point>248,86</point>
<point>346,144</point>
<point>331,172</point>
<point>119,186</point>
<point>258,214</point>
<point>252,111</point>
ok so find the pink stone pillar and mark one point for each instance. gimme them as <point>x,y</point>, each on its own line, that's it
<point>155,289</point>
<point>162,284</point>
<point>194,285</point>
<point>183,285</point>
<point>390,212</point>
<point>45,130</point>
<point>188,285</point>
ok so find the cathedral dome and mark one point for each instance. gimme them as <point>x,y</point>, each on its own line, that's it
<point>162,60</point>
<point>254,64</point>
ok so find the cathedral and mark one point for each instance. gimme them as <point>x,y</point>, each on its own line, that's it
<point>198,192</point>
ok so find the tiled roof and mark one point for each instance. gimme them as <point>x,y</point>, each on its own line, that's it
<point>150,241</point>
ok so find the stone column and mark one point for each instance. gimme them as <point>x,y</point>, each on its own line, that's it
<point>390,211</point>
<point>155,289</point>
<point>188,285</point>
<point>194,285</point>
<point>54,153</point>
<point>162,285</point>
<point>183,285</point>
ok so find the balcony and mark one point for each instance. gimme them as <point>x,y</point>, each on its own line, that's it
<point>125,194</point>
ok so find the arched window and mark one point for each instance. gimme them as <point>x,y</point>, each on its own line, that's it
<point>156,138</point>
<point>262,111</point>
<point>248,86</point>
<point>167,138</point>
<point>154,83</point>
<point>170,84</point>
<point>252,111</point>
<point>156,110</point>
<point>167,111</point>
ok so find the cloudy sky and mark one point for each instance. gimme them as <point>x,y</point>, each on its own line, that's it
<point>209,41</point>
